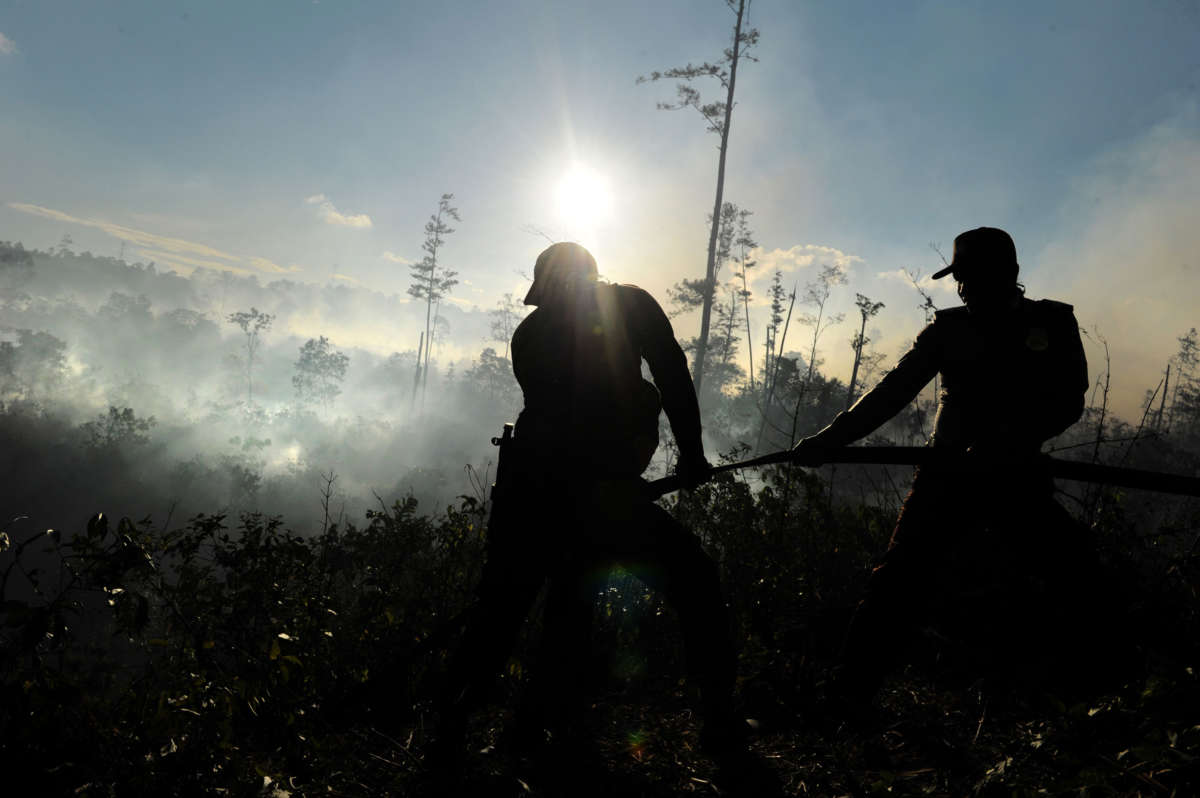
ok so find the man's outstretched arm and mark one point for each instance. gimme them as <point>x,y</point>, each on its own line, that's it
<point>898,387</point>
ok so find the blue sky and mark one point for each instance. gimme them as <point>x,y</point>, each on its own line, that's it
<point>268,133</point>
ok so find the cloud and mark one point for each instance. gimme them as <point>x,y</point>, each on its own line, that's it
<point>348,279</point>
<point>394,258</point>
<point>332,215</point>
<point>801,256</point>
<point>185,264</point>
<point>180,253</point>
<point>924,280</point>
<point>262,264</point>
<point>7,45</point>
<point>138,237</point>
<point>786,261</point>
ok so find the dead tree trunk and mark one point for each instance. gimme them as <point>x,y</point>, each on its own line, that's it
<point>710,270</point>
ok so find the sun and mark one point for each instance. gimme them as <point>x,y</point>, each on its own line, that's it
<point>583,198</point>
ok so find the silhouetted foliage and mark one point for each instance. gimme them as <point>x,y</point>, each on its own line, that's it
<point>124,309</point>
<point>492,375</point>
<point>207,656</point>
<point>119,427</point>
<point>319,372</point>
<point>208,646</point>
<point>16,267</point>
<point>32,367</point>
<point>505,317</point>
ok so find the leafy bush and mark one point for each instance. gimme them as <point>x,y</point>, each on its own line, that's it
<point>211,657</point>
<point>219,657</point>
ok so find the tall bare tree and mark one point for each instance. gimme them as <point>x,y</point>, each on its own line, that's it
<point>432,280</point>
<point>744,243</point>
<point>718,115</point>
<point>252,323</point>
<point>774,323</point>
<point>725,369</point>
<point>777,332</point>
<point>441,328</point>
<point>868,309</point>
<point>816,296</point>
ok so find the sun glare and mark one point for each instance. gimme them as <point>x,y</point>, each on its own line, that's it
<point>584,199</point>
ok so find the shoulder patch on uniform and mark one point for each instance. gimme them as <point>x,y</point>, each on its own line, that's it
<point>951,313</point>
<point>1050,304</point>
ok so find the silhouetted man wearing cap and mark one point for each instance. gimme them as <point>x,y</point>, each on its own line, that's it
<point>1013,374</point>
<point>571,503</point>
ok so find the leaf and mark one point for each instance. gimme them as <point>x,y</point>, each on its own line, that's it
<point>274,653</point>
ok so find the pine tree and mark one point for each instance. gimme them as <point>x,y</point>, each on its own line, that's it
<point>432,280</point>
<point>718,115</point>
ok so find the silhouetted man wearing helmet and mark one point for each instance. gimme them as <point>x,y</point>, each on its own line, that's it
<point>571,503</point>
<point>1013,374</point>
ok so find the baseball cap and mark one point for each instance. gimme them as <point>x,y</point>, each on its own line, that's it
<point>980,248</point>
<point>557,261</point>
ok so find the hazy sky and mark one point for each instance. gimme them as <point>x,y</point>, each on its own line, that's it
<point>314,139</point>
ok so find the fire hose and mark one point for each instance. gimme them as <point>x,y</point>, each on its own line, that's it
<point>1120,476</point>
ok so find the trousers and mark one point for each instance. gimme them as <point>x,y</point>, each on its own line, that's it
<point>969,539</point>
<point>571,535</point>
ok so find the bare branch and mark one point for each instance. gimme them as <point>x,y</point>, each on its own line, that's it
<point>536,231</point>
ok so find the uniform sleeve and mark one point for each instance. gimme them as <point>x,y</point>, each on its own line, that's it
<point>668,366</point>
<point>899,386</point>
